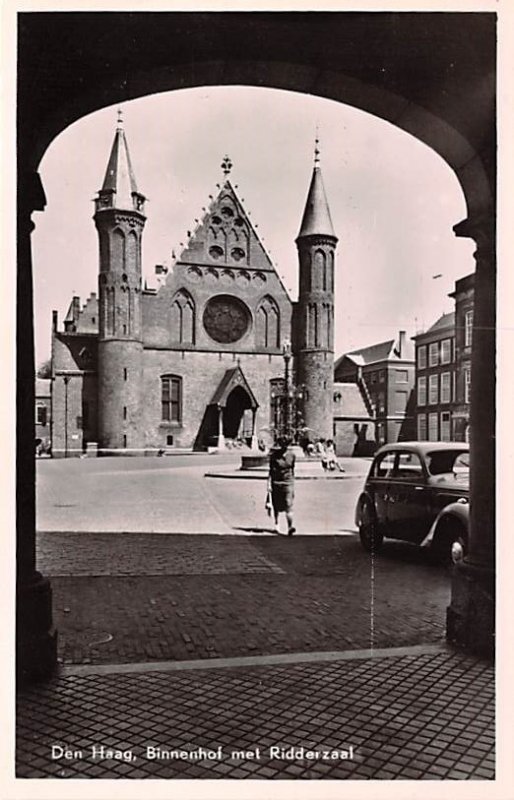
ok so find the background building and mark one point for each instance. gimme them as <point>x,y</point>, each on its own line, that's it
<point>443,370</point>
<point>385,374</point>
<point>43,414</point>
<point>435,379</point>
<point>464,300</point>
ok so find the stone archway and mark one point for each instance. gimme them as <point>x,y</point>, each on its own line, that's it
<point>238,402</point>
<point>386,64</point>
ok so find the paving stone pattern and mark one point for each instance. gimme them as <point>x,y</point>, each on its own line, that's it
<point>231,596</point>
<point>426,717</point>
<point>148,554</point>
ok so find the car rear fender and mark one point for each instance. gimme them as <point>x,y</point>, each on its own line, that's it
<point>458,511</point>
<point>364,497</point>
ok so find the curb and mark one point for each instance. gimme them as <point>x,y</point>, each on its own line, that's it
<point>262,476</point>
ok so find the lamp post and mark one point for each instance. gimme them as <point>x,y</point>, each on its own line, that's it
<point>286,352</point>
<point>66,382</point>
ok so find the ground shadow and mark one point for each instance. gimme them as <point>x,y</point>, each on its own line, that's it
<point>259,530</point>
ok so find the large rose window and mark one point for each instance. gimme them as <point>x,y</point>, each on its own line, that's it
<point>226,318</point>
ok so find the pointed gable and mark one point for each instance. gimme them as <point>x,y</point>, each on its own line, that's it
<point>231,380</point>
<point>225,237</point>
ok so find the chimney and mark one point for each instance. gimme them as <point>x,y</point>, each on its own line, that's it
<point>401,344</point>
<point>54,321</point>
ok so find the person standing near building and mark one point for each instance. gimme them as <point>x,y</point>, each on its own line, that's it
<point>331,459</point>
<point>281,482</point>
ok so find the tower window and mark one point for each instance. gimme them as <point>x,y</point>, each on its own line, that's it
<point>124,412</point>
<point>171,398</point>
<point>125,373</point>
<point>125,441</point>
<point>124,329</point>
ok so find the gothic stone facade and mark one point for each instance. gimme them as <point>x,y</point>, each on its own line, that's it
<point>194,363</point>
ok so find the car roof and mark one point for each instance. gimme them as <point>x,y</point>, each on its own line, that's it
<point>423,447</point>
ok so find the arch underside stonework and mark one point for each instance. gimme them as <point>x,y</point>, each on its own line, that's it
<point>432,75</point>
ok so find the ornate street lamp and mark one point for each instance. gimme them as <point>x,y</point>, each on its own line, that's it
<point>288,395</point>
<point>287,401</point>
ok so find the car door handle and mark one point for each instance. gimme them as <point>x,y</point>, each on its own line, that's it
<point>418,488</point>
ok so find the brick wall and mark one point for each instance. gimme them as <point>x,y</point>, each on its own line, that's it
<point>201,374</point>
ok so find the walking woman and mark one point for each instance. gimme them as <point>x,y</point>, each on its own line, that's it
<point>281,482</point>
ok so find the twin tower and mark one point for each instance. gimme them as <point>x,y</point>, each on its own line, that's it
<point>119,218</point>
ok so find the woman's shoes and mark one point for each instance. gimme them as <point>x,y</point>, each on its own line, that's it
<point>291,530</point>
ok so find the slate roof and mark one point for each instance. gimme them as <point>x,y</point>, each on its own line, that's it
<point>446,321</point>
<point>119,176</point>
<point>316,216</point>
<point>369,355</point>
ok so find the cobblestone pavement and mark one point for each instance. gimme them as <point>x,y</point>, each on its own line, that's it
<point>425,716</point>
<point>130,597</point>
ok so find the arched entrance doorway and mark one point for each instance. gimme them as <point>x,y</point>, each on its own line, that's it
<point>386,64</point>
<point>237,417</point>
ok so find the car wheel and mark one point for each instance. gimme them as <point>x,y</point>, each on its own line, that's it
<point>450,544</point>
<point>371,539</point>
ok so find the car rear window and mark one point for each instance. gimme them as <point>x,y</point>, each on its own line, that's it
<point>384,466</point>
<point>441,461</point>
<point>408,466</point>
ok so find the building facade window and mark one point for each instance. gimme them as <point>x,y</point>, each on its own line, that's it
<point>41,415</point>
<point>422,427</point>
<point>422,391</point>
<point>402,376</point>
<point>433,354</point>
<point>171,398</point>
<point>124,412</point>
<point>446,351</point>
<point>381,402</point>
<point>467,385</point>
<point>125,373</point>
<point>446,387</point>
<point>433,390</point>
<point>445,426</point>
<point>468,328</point>
<point>422,356</point>
<point>432,427</point>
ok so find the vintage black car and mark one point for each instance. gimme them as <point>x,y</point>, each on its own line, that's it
<point>418,492</point>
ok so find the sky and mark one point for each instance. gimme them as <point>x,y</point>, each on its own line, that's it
<point>393,201</point>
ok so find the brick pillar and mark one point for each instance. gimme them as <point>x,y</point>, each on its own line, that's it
<point>36,639</point>
<point>471,614</point>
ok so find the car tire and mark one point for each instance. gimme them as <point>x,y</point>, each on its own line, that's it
<point>450,543</point>
<point>371,538</point>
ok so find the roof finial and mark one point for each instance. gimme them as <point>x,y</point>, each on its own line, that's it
<point>316,147</point>
<point>120,118</point>
<point>226,165</point>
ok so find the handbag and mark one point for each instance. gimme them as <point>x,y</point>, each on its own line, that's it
<point>268,505</point>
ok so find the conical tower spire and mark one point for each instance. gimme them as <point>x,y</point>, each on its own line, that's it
<point>316,217</point>
<point>119,188</point>
<point>314,311</point>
